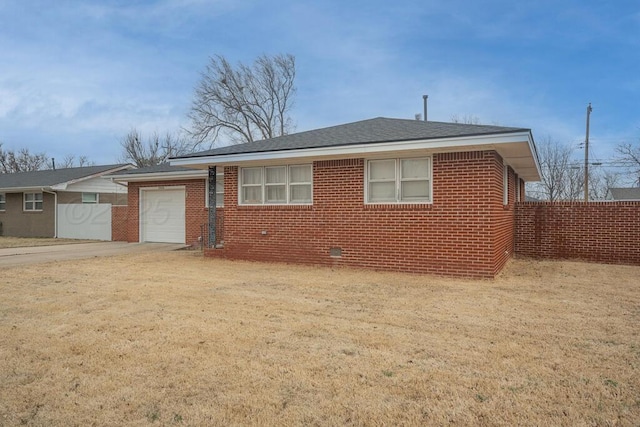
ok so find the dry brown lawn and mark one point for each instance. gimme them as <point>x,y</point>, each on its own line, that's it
<point>175,339</point>
<point>21,242</point>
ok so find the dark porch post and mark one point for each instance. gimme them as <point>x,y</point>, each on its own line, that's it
<point>212,207</point>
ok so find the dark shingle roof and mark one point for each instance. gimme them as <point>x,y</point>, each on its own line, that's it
<point>380,129</point>
<point>625,193</point>
<point>163,167</point>
<point>50,177</point>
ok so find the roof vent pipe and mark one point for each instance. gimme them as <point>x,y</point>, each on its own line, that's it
<point>424,99</point>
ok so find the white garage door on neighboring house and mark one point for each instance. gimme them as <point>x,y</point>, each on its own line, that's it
<point>162,215</point>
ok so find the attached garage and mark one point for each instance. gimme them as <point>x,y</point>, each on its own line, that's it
<point>165,204</point>
<point>162,214</point>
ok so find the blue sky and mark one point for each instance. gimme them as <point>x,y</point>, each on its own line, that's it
<point>76,76</point>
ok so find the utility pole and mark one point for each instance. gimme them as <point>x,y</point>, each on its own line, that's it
<point>586,157</point>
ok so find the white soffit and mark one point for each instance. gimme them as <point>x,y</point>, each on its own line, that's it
<point>516,148</point>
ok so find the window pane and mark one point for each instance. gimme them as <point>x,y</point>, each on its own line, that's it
<point>252,176</point>
<point>415,190</point>
<point>219,191</point>
<point>382,191</point>
<point>300,173</point>
<point>89,197</point>
<point>276,175</point>
<point>276,194</point>
<point>38,197</point>
<point>382,169</point>
<point>28,197</point>
<point>300,193</point>
<point>415,168</point>
<point>252,194</point>
<point>39,206</point>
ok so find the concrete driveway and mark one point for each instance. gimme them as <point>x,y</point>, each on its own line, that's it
<point>39,254</point>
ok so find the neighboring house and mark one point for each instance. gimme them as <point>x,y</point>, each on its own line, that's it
<point>629,194</point>
<point>167,203</point>
<point>384,193</point>
<point>70,203</point>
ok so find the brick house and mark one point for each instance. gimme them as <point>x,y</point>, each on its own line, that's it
<point>388,194</point>
<point>68,202</point>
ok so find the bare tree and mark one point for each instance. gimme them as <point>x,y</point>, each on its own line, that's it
<point>70,161</point>
<point>244,103</point>
<point>629,155</point>
<point>560,178</point>
<point>155,149</point>
<point>601,181</point>
<point>467,119</point>
<point>21,161</point>
<point>573,184</point>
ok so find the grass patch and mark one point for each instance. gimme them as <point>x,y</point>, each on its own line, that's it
<point>25,242</point>
<point>175,339</point>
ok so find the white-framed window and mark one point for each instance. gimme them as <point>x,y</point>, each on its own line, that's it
<point>251,186</point>
<point>89,198</point>
<point>32,201</point>
<point>219,191</point>
<point>300,183</point>
<point>276,185</point>
<point>399,180</point>
<point>505,185</point>
<point>3,202</point>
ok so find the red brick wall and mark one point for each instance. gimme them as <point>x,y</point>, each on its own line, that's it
<point>119,230</point>
<point>455,235</point>
<point>196,213</point>
<point>606,232</point>
<point>503,218</point>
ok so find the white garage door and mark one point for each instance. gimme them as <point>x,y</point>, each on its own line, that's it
<point>162,217</point>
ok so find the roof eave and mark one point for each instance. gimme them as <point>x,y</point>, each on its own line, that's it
<point>63,185</point>
<point>159,176</point>
<point>475,142</point>
<point>26,189</point>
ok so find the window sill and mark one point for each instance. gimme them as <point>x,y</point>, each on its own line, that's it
<point>398,206</point>
<point>275,207</point>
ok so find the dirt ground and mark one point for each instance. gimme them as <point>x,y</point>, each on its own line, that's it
<point>175,339</point>
<point>21,242</point>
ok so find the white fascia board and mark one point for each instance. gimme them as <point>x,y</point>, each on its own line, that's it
<point>63,185</point>
<point>37,189</point>
<point>359,150</point>
<point>159,176</point>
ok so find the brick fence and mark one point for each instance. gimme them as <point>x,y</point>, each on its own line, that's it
<point>606,232</point>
